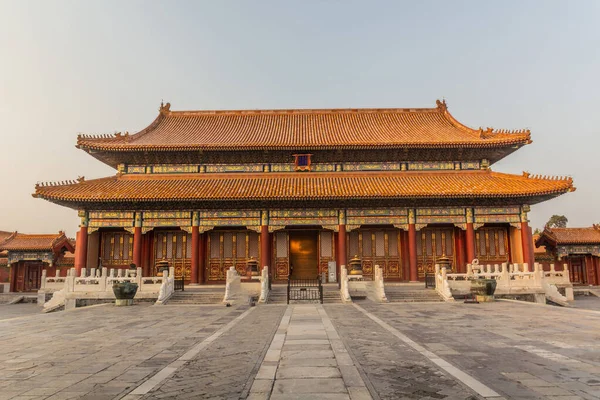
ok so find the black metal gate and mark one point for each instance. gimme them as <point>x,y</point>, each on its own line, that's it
<point>305,289</point>
<point>429,280</point>
<point>179,283</point>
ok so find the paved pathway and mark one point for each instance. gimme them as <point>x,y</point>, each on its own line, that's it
<point>307,360</point>
<point>447,351</point>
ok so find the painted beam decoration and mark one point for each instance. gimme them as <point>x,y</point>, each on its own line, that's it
<point>290,167</point>
<point>426,216</point>
<point>247,218</point>
<point>44,256</point>
<point>278,219</point>
<point>565,250</point>
<point>500,215</point>
<point>110,219</point>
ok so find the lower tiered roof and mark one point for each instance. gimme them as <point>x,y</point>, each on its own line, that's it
<point>566,236</point>
<point>243,187</point>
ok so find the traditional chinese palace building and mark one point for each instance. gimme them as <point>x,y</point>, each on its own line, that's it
<point>579,248</point>
<point>299,189</point>
<point>23,256</point>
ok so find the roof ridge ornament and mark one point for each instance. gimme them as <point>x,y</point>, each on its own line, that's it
<point>441,105</point>
<point>164,108</point>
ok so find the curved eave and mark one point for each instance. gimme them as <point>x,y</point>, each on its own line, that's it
<point>290,147</point>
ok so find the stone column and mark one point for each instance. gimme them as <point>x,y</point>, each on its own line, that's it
<point>526,237</point>
<point>265,255</point>
<point>470,237</point>
<point>195,248</point>
<point>81,243</point>
<point>137,240</point>
<point>412,246</point>
<point>342,249</point>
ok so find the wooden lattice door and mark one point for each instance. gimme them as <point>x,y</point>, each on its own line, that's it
<point>491,245</point>
<point>377,247</point>
<point>176,248</point>
<point>433,243</point>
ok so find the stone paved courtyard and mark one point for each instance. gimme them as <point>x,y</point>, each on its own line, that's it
<point>361,351</point>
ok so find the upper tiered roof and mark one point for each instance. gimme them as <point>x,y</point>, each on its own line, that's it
<point>304,130</point>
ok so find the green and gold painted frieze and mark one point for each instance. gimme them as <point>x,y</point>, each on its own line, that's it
<point>290,167</point>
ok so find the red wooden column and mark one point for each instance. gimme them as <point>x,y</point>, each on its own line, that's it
<point>137,240</point>
<point>342,249</point>
<point>412,246</point>
<point>470,237</point>
<point>13,276</point>
<point>265,255</point>
<point>201,256</point>
<point>460,251</point>
<point>596,264</point>
<point>81,243</point>
<point>526,238</point>
<point>195,249</point>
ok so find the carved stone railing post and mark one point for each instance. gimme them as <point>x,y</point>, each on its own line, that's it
<point>43,283</point>
<point>264,285</point>
<point>344,292</point>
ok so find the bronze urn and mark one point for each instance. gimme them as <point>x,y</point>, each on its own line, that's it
<point>355,265</point>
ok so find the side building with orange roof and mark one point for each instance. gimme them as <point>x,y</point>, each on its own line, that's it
<point>303,191</point>
<point>578,248</point>
<point>27,255</point>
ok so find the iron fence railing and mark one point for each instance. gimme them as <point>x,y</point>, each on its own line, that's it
<point>429,280</point>
<point>305,290</point>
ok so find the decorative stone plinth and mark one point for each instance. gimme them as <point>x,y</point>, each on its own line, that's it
<point>123,302</point>
<point>357,288</point>
<point>484,298</point>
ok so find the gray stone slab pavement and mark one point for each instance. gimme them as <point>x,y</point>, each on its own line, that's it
<point>98,352</point>
<point>226,368</point>
<point>521,351</point>
<point>307,360</point>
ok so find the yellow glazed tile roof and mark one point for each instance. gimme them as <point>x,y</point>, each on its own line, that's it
<point>304,186</point>
<point>305,129</point>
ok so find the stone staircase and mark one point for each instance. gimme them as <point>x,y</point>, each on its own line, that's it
<point>411,293</point>
<point>278,294</point>
<point>331,294</point>
<point>198,296</point>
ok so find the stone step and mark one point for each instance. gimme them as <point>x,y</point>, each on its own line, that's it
<point>196,298</point>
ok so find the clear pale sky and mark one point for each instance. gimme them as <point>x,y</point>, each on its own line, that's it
<point>98,67</point>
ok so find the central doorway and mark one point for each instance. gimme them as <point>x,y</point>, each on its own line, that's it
<point>304,254</point>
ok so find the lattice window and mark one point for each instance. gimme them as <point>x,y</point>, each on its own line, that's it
<point>215,245</point>
<point>282,246</point>
<point>326,250</point>
<point>502,244</point>
<point>367,243</point>
<point>253,244</point>
<point>379,244</point>
<point>228,245</point>
<point>353,244</point>
<point>393,243</point>
<point>188,251</point>
<point>492,244</point>
<point>449,244</point>
<point>117,248</point>
<point>240,245</point>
